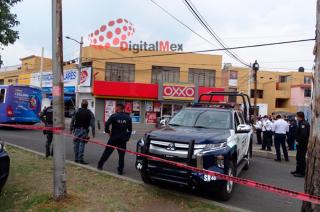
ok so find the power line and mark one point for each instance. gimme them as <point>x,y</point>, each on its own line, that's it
<point>208,50</point>
<point>183,24</point>
<point>209,29</point>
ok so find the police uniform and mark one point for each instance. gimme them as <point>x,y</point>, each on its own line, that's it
<point>80,123</point>
<point>121,124</point>
<point>258,127</point>
<point>267,134</point>
<point>47,117</point>
<point>291,134</point>
<point>302,138</point>
<point>280,129</point>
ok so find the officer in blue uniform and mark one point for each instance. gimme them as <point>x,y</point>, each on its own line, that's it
<point>291,134</point>
<point>302,138</point>
<point>120,133</point>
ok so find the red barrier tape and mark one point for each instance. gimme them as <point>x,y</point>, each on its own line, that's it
<point>250,183</point>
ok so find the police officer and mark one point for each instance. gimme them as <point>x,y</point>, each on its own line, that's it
<point>119,135</point>
<point>80,123</point>
<point>267,133</point>
<point>280,129</point>
<point>291,134</point>
<point>46,117</point>
<point>302,138</point>
<point>258,127</point>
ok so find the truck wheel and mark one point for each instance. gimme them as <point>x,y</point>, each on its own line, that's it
<point>225,192</point>
<point>145,177</point>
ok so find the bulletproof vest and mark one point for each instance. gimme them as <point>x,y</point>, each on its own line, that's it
<point>83,118</point>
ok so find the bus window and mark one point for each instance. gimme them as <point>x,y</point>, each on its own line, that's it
<point>2,95</point>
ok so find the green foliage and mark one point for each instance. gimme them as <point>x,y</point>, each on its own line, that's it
<point>8,21</point>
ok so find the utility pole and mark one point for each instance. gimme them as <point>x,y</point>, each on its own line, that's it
<point>79,75</point>
<point>255,68</point>
<point>59,177</point>
<point>312,179</point>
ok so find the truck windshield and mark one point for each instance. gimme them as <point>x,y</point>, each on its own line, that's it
<point>210,119</point>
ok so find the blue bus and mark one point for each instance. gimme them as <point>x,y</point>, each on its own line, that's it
<point>20,104</point>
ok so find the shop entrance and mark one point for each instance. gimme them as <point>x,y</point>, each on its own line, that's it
<point>169,110</point>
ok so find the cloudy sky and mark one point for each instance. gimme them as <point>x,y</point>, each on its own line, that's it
<point>236,22</point>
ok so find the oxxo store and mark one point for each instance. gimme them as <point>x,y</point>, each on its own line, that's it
<point>145,102</point>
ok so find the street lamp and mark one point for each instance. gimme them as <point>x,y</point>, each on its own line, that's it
<point>255,67</point>
<point>79,68</point>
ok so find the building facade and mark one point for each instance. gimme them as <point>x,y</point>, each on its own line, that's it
<point>154,85</point>
<point>276,91</point>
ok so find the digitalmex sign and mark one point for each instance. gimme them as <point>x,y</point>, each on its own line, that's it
<point>174,91</point>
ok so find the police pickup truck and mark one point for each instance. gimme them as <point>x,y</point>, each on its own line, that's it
<point>211,136</point>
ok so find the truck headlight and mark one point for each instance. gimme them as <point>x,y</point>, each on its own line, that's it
<point>215,146</point>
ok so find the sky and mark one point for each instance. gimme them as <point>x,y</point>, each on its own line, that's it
<point>236,22</point>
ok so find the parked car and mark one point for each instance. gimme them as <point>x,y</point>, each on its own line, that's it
<point>4,166</point>
<point>216,137</point>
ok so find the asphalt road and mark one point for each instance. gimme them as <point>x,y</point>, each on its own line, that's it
<point>261,169</point>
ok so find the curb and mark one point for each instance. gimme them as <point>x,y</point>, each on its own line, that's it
<point>211,202</point>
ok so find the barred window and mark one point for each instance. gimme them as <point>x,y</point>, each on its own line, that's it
<point>120,72</point>
<point>202,77</point>
<point>165,74</point>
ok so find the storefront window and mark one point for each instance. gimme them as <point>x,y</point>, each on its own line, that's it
<point>120,72</point>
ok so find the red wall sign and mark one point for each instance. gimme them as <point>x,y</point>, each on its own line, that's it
<point>178,91</point>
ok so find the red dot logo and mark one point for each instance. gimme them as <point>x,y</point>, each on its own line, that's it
<point>112,33</point>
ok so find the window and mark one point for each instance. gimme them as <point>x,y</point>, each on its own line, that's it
<point>165,74</point>
<point>259,94</point>
<point>202,77</point>
<point>307,92</point>
<point>210,119</point>
<point>283,78</point>
<point>120,72</point>
<point>2,95</point>
<point>307,80</point>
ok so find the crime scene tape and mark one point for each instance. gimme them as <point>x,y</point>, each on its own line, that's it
<point>249,183</point>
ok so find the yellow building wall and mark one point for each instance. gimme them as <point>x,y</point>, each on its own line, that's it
<point>143,65</point>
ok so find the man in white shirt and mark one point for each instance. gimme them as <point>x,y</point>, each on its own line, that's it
<point>280,128</point>
<point>258,127</point>
<point>267,133</point>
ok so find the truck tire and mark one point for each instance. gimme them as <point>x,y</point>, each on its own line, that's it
<point>226,190</point>
<point>145,177</point>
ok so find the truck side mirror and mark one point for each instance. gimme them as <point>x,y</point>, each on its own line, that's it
<point>243,128</point>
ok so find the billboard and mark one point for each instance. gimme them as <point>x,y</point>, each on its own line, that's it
<point>70,78</point>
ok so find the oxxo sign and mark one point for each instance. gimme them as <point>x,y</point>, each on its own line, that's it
<point>178,91</point>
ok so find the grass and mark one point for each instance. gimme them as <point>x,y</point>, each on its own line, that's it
<point>29,188</point>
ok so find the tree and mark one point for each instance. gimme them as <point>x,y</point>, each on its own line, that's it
<point>312,180</point>
<point>8,21</point>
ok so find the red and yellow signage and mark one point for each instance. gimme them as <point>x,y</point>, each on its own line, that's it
<point>176,91</point>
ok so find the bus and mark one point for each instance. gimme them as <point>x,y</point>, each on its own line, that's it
<point>20,104</point>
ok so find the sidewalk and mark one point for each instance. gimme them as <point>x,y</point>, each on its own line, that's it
<point>266,154</point>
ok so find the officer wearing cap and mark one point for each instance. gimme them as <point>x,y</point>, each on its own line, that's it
<point>302,138</point>
<point>120,133</point>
